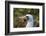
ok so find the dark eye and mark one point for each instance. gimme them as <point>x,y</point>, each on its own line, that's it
<point>27,17</point>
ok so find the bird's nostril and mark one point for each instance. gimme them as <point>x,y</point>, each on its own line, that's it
<point>24,19</point>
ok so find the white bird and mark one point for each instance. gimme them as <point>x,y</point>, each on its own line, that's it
<point>30,21</point>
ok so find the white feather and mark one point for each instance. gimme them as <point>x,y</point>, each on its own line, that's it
<point>30,21</point>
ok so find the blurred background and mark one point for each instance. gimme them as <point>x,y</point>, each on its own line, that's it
<point>23,11</point>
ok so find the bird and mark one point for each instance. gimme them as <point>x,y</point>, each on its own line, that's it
<point>30,21</point>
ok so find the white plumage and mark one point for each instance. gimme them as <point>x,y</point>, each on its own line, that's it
<point>30,21</point>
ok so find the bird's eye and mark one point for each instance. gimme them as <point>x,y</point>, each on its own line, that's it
<point>27,17</point>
